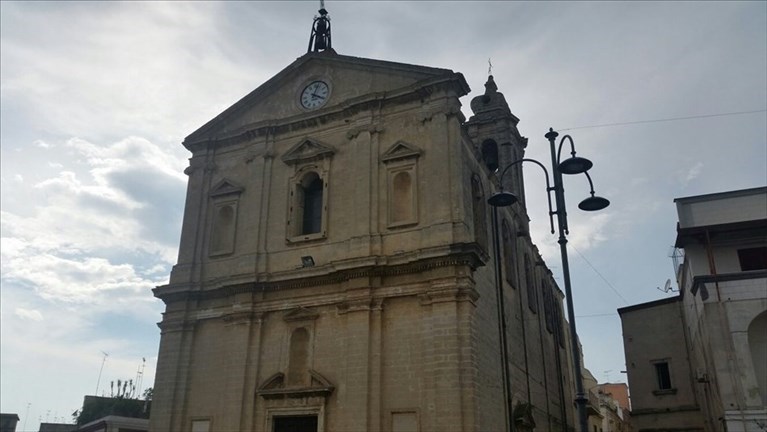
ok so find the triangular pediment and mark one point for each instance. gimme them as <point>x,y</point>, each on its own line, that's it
<point>401,150</point>
<point>350,80</point>
<point>306,150</point>
<point>225,187</point>
<point>275,387</point>
<point>301,314</point>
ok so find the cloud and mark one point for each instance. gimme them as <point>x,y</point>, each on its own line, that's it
<point>108,231</point>
<point>691,174</point>
<point>146,73</point>
<point>29,314</point>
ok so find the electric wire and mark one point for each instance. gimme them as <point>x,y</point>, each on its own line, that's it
<point>600,275</point>
<point>664,120</point>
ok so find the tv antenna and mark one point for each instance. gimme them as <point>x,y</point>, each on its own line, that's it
<point>140,376</point>
<point>667,288</point>
<point>104,360</point>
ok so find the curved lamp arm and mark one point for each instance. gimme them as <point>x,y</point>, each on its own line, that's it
<point>548,185</point>
<point>559,150</point>
<point>591,183</point>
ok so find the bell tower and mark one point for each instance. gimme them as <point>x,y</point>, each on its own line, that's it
<point>493,128</point>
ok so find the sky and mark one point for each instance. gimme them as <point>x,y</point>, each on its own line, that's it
<point>96,97</point>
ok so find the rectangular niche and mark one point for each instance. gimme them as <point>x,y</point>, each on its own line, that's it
<point>403,197</point>
<point>401,161</point>
<point>223,228</point>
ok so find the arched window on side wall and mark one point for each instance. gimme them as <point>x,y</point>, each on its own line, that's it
<point>532,295</point>
<point>490,154</point>
<point>509,260</point>
<point>479,207</point>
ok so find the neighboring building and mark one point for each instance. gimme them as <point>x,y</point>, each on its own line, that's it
<point>8,422</point>
<point>116,424</point>
<point>698,361</point>
<point>619,392</point>
<point>57,427</point>
<point>605,410</point>
<point>335,270</point>
<point>613,406</point>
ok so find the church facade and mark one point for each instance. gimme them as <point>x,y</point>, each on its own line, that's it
<point>336,268</point>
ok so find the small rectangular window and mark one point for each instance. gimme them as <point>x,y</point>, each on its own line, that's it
<point>200,425</point>
<point>404,421</point>
<point>663,376</point>
<point>753,258</point>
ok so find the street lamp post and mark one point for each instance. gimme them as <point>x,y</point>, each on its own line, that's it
<point>572,165</point>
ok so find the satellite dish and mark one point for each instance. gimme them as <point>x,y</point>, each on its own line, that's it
<point>667,287</point>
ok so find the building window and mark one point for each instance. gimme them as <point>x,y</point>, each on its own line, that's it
<point>662,377</point>
<point>532,296</point>
<point>308,202</point>
<point>560,329</point>
<point>509,264</point>
<point>753,258</point>
<point>490,155</point>
<point>547,306</point>
<point>308,206</point>
<point>310,190</point>
<point>201,425</point>
<point>478,212</point>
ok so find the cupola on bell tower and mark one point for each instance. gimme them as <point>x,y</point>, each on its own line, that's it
<point>494,129</point>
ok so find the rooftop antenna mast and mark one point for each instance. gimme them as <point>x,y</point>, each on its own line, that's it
<point>140,376</point>
<point>104,360</point>
<point>319,40</point>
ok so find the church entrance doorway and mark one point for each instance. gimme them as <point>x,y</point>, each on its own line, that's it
<point>305,423</point>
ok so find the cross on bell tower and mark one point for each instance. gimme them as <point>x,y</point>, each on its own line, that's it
<point>319,40</point>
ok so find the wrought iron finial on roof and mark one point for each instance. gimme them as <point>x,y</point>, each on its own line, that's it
<point>319,40</point>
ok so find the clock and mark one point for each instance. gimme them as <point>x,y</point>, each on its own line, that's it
<point>315,95</point>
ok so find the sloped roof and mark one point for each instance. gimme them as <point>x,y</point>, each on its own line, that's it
<point>418,73</point>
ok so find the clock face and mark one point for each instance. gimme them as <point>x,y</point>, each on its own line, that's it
<point>315,95</point>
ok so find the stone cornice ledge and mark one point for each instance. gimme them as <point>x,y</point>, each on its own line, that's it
<point>453,255</point>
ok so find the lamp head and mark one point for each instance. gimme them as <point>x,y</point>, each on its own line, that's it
<point>575,165</point>
<point>593,203</point>
<point>502,199</point>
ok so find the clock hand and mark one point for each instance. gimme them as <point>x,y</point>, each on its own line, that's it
<point>315,95</point>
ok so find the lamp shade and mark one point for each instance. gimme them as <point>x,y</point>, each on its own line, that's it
<point>575,165</point>
<point>593,203</point>
<point>502,199</point>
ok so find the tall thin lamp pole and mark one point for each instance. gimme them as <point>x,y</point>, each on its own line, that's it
<point>559,197</point>
<point>572,165</point>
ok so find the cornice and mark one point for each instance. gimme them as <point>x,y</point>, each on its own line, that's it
<point>463,255</point>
